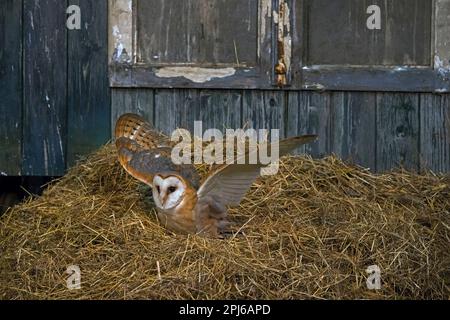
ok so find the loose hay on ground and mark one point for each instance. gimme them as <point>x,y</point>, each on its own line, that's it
<point>309,232</point>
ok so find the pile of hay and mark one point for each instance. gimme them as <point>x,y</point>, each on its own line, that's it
<point>309,232</point>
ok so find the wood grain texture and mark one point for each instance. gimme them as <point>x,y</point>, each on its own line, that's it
<point>378,131</point>
<point>315,116</point>
<point>11,86</point>
<point>231,37</point>
<point>88,104</point>
<point>264,110</point>
<point>176,109</point>
<point>221,109</point>
<point>138,101</point>
<point>397,131</point>
<point>353,127</point>
<point>338,35</point>
<point>45,88</point>
<point>201,31</point>
<point>435,132</point>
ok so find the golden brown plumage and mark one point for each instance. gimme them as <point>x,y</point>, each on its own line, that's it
<point>183,204</point>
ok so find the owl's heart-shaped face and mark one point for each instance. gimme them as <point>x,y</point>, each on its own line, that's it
<point>168,192</point>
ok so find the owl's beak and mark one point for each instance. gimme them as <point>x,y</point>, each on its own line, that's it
<point>164,199</point>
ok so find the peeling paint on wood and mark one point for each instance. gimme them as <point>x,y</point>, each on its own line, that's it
<point>284,42</point>
<point>265,16</point>
<point>442,45</point>
<point>223,44</point>
<point>195,74</point>
<point>442,36</point>
<point>287,41</point>
<point>120,30</point>
<point>442,67</point>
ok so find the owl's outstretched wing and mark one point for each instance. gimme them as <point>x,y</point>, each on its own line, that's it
<point>230,182</point>
<point>144,152</point>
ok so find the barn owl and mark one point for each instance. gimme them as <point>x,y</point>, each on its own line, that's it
<point>183,204</point>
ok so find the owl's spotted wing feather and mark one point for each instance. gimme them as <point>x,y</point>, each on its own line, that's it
<point>135,128</point>
<point>230,182</point>
<point>144,152</point>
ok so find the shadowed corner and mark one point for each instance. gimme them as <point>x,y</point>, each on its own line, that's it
<point>13,190</point>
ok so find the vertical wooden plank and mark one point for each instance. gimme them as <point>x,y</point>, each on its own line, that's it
<point>88,84</point>
<point>397,131</point>
<point>45,92</point>
<point>442,36</point>
<point>264,110</point>
<point>176,108</point>
<point>11,86</point>
<point>435,132</point>
<point>293,118</point>
<point>138,101</point>
<point>221,109</point>
<point>309,113</point>
<point>353,130</point>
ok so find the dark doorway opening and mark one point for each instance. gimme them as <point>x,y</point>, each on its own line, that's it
<point>14,190</point>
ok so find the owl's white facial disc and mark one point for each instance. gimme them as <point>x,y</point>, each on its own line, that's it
<point>168,192</point>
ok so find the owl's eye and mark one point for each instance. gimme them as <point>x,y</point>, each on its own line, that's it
<point>158,189</point>
<point>172,189</point>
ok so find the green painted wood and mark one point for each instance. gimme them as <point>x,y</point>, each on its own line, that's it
<point>88,103</point>
<point>397,131</point>
<point>435,132</point>
<point>45,88</point>
<point>11,87</point>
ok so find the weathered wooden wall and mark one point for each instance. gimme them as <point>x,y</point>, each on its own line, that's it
<point>56,103</point>
<point>380,131</point>
<point>10,86</point>
<point>55,97</point>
